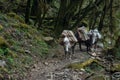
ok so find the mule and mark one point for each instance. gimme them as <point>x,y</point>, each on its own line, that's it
<point>90,42</point>
<point>96,36</point>
<point>67,46</point>
<point>67,40</point>
<point>87,42</point>
<point>92,38</point>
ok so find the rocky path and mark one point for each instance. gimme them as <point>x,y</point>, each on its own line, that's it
<point>53,68</point>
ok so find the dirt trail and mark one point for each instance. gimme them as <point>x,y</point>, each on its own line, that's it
<point>43,69</point>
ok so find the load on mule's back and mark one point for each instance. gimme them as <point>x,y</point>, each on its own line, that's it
<point>82,33</point>
<point>89,38</point>
<point>70,35</point>
<point>83,37</point>
<point>67,40</point>
<point>96,36</point>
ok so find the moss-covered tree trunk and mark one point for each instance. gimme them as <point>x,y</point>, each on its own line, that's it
<point>85,11</point>
<point>34,8</point>
<point>41,11</point>
<point>28,10</point>
<point>60,18</point>
<point>68,9</point>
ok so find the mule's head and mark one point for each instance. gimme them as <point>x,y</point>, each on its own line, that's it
<point>97,34</point>
<point>94,35</point>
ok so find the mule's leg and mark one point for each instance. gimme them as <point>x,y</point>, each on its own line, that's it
<point>73,48</point>
<point>88,45</point>
<point>65,52</point>
<point>88,49</point>
<point>92,47</point>
<point>70,53</point>
<point>95,46</point>
<point>80,47</point>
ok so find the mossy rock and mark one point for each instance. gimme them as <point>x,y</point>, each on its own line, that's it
<point>3,42</point>
<point>116,67</point>
<point>15,16</point>
<point>49,40</point>
<point>82,65</point>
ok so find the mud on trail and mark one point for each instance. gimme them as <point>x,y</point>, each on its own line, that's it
<point>54,68</point>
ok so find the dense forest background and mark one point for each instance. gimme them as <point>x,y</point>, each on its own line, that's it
<point>24,24</point>
<point>67,14</point>
<point>64,14</point>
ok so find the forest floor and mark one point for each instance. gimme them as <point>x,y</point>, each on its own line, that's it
<point>55,68</point>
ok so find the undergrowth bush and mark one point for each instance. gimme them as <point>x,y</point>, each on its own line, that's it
<point>3,42</point>
<point>43,48</point>
<point>15,39</point>
<point>15,16</point>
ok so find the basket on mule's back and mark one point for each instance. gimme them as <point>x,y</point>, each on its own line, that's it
<point>83,34</point>
<point>70,36</point>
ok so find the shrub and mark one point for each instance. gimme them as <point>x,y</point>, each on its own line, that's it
<point>3,42</point>
<point>15,16</point>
